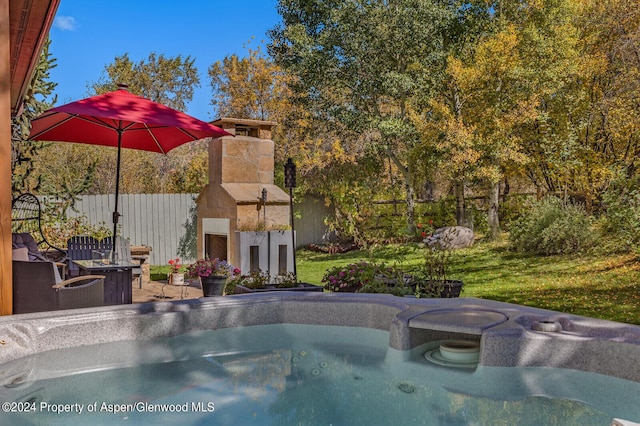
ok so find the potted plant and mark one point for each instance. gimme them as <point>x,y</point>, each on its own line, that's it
<point>176,276</point>
<point>213,275</point>
<point>259,281</point>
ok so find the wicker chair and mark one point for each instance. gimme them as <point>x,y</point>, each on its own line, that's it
<point>26,216</point>
<point>36,289</point>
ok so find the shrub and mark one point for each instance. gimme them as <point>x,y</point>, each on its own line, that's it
<point>259,279</point>
<point>286,280</point>
<point>622,212</point>
<point>351,276</point>
<point>367,277</point>
<point>58,231</point>
<point>511,209</point>
<point>358,276</point>
<point>552,227</point>
<point>256,279</point>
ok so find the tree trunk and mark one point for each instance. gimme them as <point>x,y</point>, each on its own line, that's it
<point>456,104</point>
<point>461,219</point>
<point>494,223</point>
<point>409,193</point>
<point>411,209</point>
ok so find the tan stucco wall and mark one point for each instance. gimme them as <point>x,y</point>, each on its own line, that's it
<point>244,165</point>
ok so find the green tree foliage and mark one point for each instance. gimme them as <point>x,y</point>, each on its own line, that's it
<point>167,80</point>
<point>23,178</point>
<point>473,93</point>
<point>30,167</point>
<point>359,64</point>
<point>587,126</point>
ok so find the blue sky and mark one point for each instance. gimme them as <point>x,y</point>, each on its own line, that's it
<point>87,35</point>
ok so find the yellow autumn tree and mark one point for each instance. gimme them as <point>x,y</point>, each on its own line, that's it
<point>253,87</point>
<point>502,84</point>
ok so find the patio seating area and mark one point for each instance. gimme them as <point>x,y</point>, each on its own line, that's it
<point>40,285</point>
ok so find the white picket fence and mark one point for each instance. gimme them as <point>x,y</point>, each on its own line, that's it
<point>158,220</point>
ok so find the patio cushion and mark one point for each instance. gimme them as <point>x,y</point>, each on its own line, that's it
<point>24,239</point>
<point>21,254</point>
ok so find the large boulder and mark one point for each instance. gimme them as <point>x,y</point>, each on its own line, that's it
<point>450,237</point>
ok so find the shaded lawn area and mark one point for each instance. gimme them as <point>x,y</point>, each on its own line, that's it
<point>599,286</point>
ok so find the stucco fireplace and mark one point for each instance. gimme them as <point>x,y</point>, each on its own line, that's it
<point>242,215</point>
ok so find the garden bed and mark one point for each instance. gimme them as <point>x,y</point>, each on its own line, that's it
<point>240,289</point>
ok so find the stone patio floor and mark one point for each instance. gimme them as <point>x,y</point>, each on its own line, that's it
<point>152,291</point>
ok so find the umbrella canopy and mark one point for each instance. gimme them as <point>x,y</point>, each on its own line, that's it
<point>123,120</point>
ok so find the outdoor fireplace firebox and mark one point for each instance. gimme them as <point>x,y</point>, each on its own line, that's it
<point>242,216</point>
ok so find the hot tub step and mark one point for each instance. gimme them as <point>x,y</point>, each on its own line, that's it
<point>458,320</point>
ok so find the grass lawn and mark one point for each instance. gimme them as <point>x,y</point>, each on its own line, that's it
<point>600,286</point>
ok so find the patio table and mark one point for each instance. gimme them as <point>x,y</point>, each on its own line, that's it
<point>117,282</point>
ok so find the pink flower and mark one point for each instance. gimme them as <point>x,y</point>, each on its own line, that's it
<point>175,265</point>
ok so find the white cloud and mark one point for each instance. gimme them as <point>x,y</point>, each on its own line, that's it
<point>65,23</point>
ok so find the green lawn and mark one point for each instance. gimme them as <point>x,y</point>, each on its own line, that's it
<point>600,286</point>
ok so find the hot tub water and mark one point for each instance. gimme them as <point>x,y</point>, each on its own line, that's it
<point>296,374</point>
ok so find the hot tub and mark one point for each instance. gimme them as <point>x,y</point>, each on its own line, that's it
<point>317,357</point>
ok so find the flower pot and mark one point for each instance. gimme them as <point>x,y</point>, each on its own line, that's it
<point>451,288</point>
<point>349,289</point>
<point>444,289</point>
<point>176,279</point>
<point>213,285</point>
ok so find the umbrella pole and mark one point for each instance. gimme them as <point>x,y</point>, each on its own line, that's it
<point>116,213</point>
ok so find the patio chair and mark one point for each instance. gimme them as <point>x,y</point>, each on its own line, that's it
<point>26,218</point>
<point>123,251</point>
<point>81,247</point>
<point>86,291</point>
<point>37,288</point>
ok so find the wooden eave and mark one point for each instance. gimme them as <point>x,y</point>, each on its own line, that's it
<point>29,24</point>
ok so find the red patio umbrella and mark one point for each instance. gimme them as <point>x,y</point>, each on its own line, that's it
<point>124,120</point>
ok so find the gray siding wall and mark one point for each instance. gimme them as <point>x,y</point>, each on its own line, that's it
<point>158,220</point>
<point>309,221</point>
